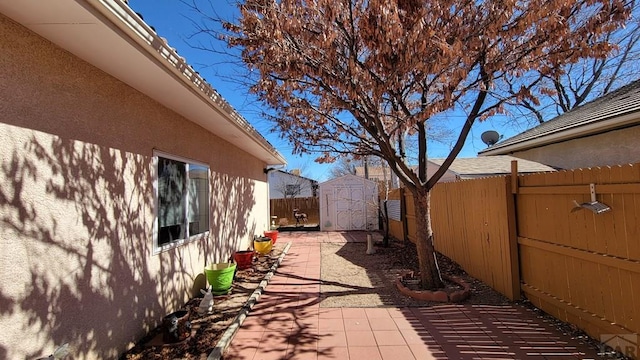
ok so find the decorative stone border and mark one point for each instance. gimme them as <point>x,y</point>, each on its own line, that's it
<point>437,296</point>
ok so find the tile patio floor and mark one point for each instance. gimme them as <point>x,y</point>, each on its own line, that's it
<point>288,323</point>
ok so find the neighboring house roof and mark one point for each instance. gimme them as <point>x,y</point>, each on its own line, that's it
<point>112,37</point>
<point>296,175</point>
<point>491,165</point>
<point>615,110</point>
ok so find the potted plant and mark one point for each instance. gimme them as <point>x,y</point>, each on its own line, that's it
<point>243,258</point>
<point>220,277</point>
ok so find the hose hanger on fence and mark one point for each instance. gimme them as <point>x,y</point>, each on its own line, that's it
<point>596,206</point>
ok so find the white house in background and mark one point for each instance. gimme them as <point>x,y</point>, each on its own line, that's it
<point>349,202</point>
<point>124,173</point>
<point>289,185</point>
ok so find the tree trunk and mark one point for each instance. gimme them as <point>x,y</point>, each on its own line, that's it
<point>429,272</point>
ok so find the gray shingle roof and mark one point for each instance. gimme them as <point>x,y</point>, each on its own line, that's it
<point>489,165</point>
<point>623,101</point>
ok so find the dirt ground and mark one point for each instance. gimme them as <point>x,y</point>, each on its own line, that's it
<point>207,329</point>
<point>350,278</point>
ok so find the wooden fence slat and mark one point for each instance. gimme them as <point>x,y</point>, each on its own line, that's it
<point>283,209</point>
<point>633,266</point>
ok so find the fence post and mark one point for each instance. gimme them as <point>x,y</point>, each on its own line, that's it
<point>514,254</point>
<point>403,216</point>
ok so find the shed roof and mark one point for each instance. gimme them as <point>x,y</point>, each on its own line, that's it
<point>348,179</point>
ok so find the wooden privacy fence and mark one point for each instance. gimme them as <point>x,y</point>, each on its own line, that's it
<point>524,234</point>
<point>579,266</point>
<point>283,209</point>
<point>472,223</point>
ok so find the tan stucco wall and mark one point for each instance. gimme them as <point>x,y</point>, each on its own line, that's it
<point>77,204</point>
<point>615,147</point>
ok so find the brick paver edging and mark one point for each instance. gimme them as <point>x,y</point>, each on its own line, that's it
<point>437,296</point>
<point>225,340</point>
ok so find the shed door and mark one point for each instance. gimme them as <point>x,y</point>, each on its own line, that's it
<point>350,208</point>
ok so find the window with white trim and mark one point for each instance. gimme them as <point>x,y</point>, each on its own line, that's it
<point>182,193</point>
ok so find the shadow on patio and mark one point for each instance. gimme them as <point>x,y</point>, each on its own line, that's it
<point>291,321</point>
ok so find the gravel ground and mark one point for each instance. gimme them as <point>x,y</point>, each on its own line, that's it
<point>351,278</point>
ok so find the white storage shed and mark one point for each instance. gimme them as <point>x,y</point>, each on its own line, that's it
<point>348,203</point>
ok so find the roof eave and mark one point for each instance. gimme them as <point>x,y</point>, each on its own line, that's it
<point>171,61</point>
<point>567,134</point>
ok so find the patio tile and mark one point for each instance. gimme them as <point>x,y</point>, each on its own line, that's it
<point>360,338</point>
<point>404,323</point>
<point>400,313</point>
<point>353,313</point>
<point>412,336</point>
<point>268,353</point>
<point>389,337</point>
<point>333,353</point>
<point>364,352</point>
<point>279,326</point>
<point>332,339</point>
<point>424,352</point>
<point>302,354</point>
<point>330,313</point>
<point>246,334</point>
<point>377,313</point>
<point>330,324</point>
<point>241,350</point>
<point>356,324</point>
<point>382,324</point>
<point>396,353</point>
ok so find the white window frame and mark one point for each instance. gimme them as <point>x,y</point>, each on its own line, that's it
<point>179,242</point>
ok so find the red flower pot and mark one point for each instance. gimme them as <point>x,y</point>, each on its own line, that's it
<point>244,259</point>
<point>272,234</point>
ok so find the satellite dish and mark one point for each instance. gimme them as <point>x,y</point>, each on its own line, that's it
<point>490,137</point>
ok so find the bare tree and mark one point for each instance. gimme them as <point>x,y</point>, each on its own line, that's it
<point>588,78</point>
<point>344,165</point>
<point>354,76</point>
<point>291,184</point>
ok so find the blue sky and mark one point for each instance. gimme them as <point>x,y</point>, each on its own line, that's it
<point>173,21</point>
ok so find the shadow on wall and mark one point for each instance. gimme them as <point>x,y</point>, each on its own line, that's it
<point>84,249</point>
<point>232,201</point>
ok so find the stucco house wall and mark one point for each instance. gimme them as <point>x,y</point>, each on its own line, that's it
<point>614,147</point>
<point>77,199</point>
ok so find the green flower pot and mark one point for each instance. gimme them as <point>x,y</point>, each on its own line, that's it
<point>220,277</point>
